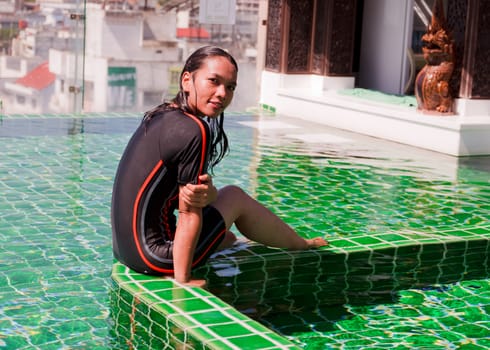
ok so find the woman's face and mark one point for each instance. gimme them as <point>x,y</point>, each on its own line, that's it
<point>210,88</point>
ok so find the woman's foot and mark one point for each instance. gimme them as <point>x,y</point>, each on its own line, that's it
<point>316,242</point>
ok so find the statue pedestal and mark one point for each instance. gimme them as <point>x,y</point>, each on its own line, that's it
<point>467,108</point>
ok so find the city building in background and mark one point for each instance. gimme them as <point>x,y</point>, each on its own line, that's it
<point>110,55</point>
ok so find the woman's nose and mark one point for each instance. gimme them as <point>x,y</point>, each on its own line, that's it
<point>221,91</point>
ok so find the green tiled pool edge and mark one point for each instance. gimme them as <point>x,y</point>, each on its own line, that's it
<point>174,314</point>
<point>161,312</point>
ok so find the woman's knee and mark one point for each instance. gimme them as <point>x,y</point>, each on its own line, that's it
<point>230,203</point>
<point>232,191</point>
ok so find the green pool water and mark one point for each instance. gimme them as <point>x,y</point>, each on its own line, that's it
<point>409,231</point>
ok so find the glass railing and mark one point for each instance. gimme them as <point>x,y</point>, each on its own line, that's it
<point>73,56</point>
<point>41,57</point>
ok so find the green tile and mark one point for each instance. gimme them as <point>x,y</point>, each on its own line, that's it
<point>343,244</point>
<point>365,240</point>
<point>227,330</point>
<point>191,305</point>
<point>390,237</point>
<point>480,230</point>
<point>210,316</point>
<point>174,293</point>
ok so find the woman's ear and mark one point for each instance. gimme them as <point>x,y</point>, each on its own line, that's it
<point>186,81</point>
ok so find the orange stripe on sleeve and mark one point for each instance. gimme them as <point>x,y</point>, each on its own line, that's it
<point>204,143</point>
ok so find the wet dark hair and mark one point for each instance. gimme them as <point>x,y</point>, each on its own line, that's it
<point>219,146</point>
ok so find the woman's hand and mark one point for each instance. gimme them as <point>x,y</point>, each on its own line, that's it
<point>202,194</point>
<point>196,283</point>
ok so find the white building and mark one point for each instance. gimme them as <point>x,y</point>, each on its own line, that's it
<point>10,6</point>
<point>31,92</point>
<point>128,59</point>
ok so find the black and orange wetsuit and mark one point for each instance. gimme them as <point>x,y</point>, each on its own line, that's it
<point>168,150</point>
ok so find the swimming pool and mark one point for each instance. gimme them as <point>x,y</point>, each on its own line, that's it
<point>409,232</point>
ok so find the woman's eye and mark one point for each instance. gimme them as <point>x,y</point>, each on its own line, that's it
<point>232,87</point>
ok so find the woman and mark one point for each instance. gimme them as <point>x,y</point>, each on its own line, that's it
<point>164,168</point>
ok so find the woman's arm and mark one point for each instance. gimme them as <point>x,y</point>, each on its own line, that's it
<point>186,236</point>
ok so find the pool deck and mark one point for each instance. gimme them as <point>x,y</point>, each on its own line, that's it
<point>461,134</point>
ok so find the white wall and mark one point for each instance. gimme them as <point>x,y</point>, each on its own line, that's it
<point>118,35</point>
<point>121,37</point>
<point>14,67</point>
<point>94,31</point>
<point>386,28</point>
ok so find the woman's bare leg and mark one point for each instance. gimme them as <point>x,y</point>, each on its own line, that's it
<point>258,223</point>
<point>228,241</point>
